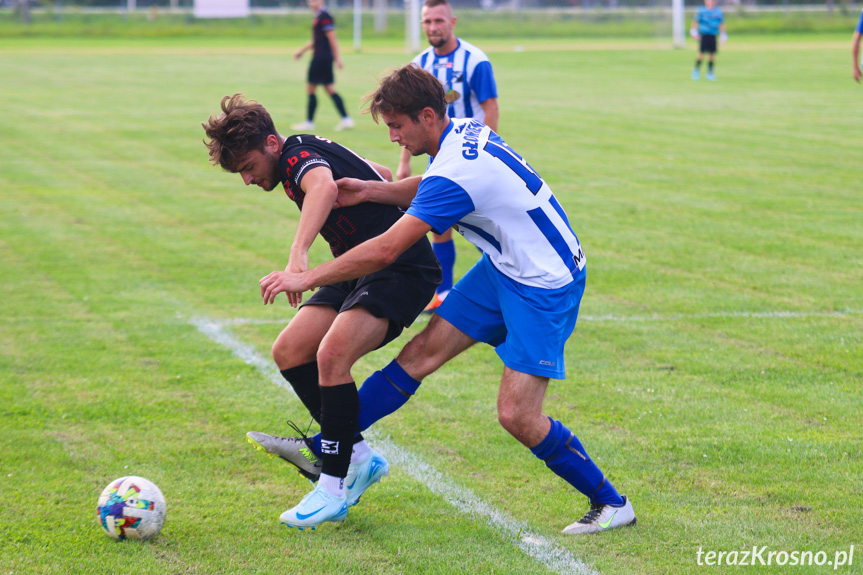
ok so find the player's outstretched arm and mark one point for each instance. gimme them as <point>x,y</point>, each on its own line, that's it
<point>353,191</point>
<point>368,257</point>
<point>299,53</point>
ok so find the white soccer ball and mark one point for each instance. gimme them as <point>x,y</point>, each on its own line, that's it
<point>131,508</point>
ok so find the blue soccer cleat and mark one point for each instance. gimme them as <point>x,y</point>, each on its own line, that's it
<point>711,76</point>
<point>363,475</point>
<point>317,507</point>
<point>696,74</point>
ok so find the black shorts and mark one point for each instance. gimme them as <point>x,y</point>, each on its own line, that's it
<point>321,71</point>
<point>398,292</point>
<point>708,44</point>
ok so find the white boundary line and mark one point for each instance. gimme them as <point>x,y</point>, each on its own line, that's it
<point>464,500</point>
<point>639,318</point>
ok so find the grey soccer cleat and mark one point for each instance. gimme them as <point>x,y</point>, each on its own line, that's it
<point>297,451</point>
<point>602,517</point>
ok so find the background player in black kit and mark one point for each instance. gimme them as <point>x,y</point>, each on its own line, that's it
<point>341,322</point>
<point>325,52</point>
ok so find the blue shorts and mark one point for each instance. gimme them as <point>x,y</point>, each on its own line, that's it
<point>528,326</point>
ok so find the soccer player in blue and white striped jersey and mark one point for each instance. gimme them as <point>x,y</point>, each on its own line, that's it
<point>522,296</point>
<point>466,74</point>
<point>855,48</point>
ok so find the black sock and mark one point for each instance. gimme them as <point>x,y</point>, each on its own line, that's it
<point>698,64</point>
<point>313,105</point>
<point>710,66</point>
<point>304,380</point>
<point>340,408</point>
<point>340,106</point>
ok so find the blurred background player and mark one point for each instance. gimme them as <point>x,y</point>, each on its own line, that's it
<point>341,322</point>
<point>467,77</point>
<point>707,24</point>
<point>855,48</point>
<point>325,51</point>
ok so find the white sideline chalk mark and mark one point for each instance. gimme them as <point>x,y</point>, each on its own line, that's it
<point>464,500</point>
<point>638,318</point>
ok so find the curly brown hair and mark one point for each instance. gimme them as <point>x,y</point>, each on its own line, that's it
<point>408,90</point>
<point>243,126</point>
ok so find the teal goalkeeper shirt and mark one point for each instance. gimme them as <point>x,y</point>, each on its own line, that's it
<point>709,20</point>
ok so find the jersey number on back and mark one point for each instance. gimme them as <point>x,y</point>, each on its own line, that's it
<point>515,163</point>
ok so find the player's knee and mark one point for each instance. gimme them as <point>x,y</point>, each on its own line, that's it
<point>512,419</point>
<point>287,356</point>
<point>333,367</point>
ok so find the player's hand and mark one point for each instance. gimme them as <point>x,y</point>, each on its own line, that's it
<point>857,74</point>
<point>403,171</point>
<point>298,54</point>
<point>278,282</point>
<point>723,38</point>
<point>339,63</point>
<point>350,192</point>
<point>694,33</point>
<point>298,264</point>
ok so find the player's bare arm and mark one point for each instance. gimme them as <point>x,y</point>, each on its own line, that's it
<point>492,113</point>
<point>299,53</point>
<point>334,46</point>
<point>404,169</point>
<point>384,171</point>
<point>368,257</point>
<point>353,191</point>
<point>321,191</point>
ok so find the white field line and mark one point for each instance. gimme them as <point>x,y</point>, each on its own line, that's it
<point>637,318</point>
<point>462,499</point>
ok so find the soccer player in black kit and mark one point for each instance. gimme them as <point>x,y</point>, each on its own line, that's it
<point>325,52</point>
<point>339,323</point>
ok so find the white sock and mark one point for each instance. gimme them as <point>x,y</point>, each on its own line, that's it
<point>333,485</point>
<point>360,452</point>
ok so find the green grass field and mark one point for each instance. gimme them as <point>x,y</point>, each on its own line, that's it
<point>715,374</point>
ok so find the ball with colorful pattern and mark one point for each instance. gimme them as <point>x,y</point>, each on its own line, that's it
<point>131,508</point>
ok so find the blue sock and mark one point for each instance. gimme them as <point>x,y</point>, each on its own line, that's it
<point>563,453</point>
<point>381,394</point>
<point>445,253</point>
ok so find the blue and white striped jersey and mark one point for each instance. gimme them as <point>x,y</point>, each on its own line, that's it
<point>709,20</point>
<point>500,204</point>
<point>465,72</point>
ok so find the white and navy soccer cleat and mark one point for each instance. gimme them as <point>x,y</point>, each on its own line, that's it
<point>602,517</point>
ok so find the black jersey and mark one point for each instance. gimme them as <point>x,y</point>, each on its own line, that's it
<point>322,23</point>
<point>344,227</point>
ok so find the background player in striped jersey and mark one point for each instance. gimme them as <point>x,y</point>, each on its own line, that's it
<point>522,296</point>
<point>855,48</point>
<point>341,322</point>
<point>707,24</point>
<point>466,74</point>
<point>325,52</point>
